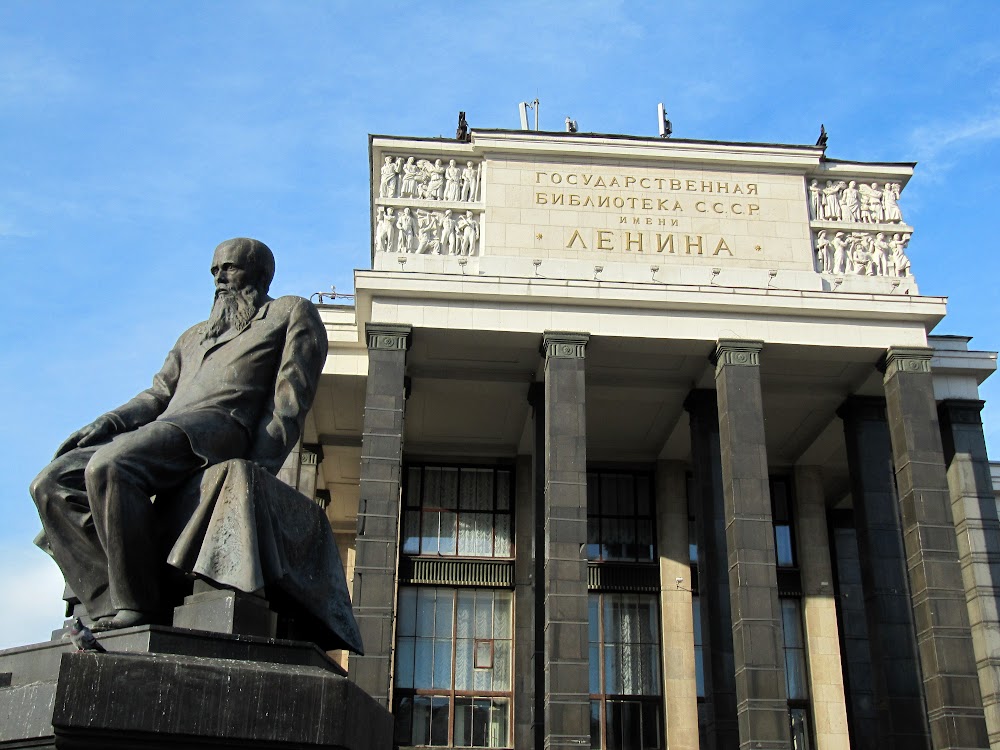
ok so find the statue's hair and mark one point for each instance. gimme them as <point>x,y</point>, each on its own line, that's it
<point>260,257</point>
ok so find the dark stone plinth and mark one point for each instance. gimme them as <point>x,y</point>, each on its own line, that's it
<point>171,688</point>
<point>225,611</point>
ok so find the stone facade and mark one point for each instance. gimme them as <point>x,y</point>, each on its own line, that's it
<point>675,420</point>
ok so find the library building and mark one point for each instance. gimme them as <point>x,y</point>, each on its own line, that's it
<point>648,443</point>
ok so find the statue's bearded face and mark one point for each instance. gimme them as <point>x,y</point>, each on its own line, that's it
<point>237,297</point>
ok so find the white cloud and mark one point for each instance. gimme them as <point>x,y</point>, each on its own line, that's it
<point>31,592</point>
<point>937,144</point>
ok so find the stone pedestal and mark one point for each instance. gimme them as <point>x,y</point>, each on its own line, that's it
<point>160,687</point>
<point>226,611</point>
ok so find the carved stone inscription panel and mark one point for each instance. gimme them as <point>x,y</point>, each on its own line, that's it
<point>629,212</point>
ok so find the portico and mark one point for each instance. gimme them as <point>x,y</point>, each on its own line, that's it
<point>611,490</point>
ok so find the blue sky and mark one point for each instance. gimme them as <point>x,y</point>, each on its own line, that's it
<point>136,136</point>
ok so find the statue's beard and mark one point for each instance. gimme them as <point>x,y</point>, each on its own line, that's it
<point>233,309</point>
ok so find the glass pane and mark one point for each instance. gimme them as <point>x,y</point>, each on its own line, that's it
<point>643,495</point>
<point>424,663</point>
<point>612,673</point>
<point>484,654</point>
<point>463,722</point>
<point>448,497</point>
<point>595,668</point>
<point>696,618</point>
<point>467,490</point>
<point>407,612</point>
<point>404,721</point>
<point>501,665</point>
<point>593,602</point>
<point>421,720</point>
<point>483,627</point>
<point>791,623</point>
<point>432,487</point>
<point>430,533</point>
<point>503,490</point>
<point>448,530</point>
<point>783,546</point>
<point>440,716</point>
<point>426,600</point>
<point>609,495</point>
<point>411,532</point>
<point>463,664</point>
<point>626,494</point>
<point>442,664</point>
<point>501,614</point>
<point>651,724</point>
<point>624,727</point>
<point>699,671</point>
<point>593,494</point>
<point>466,534</point>
<point>795,674</point>
<point>482,524</point>
<point>484,489</point>
<point>779,500</point>
<point>643,549</point>
<point>404,663</point>
<point>413,487</point>
<point>595,725</point>
<point>593,538</point>
<point>466,608</point>
<point>480,722</point>
<point>499,721</point>
<point>444,621</point>
<point>502,535</point>
<point>799,719</point>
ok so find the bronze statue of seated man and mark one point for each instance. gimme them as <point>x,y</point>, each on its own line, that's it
<point>236,386</point>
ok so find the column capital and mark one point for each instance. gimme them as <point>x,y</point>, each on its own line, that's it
<point>899,359</point>
<point>738,352</point>
<point>388,335</point>
<point>564,344</point>
<point>961,411</point>
<point>702,399</point>
<point>868,408</point>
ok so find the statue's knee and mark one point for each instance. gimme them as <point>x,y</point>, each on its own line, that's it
<point>42,487</point>
<point>101,468</point>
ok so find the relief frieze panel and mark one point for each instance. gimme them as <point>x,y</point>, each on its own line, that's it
<point>427,180</point>
<point>858,228</point>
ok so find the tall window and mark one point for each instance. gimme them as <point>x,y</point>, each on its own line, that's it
<point>625,684</point>
<point>699,651</point>
<point>457,511</point>
<point>796,675</point>
<point>453,667</point>
<point>619,517</point>
<point>781,516</point>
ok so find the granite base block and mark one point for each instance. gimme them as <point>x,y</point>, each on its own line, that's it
<point>160,687</point>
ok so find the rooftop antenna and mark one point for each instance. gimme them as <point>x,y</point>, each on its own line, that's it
<point>666,127</point>
<point>523,108</point>
<point>570,125</point>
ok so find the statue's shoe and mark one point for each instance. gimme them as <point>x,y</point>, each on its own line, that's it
<point>126,618</point>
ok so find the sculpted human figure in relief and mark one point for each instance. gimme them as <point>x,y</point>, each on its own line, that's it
<point>408,189</point>
<point>236,386</point>
<point>469,180</point>
<point>839,254</point>
<point>448,238</point>
<point>435,181</point>
<point>404,229</point>
<point>851,203</point>
<point>824,253</point>
<point>383,230</point>
<point>468,228</point>
<point>390,178</point>
<point>816,200</point>
<point>890,204</point>
<point>831,205</point>
<point>452,182</point>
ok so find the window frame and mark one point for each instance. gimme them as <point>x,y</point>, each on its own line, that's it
<point>422,510</point>
<point>451,694</point>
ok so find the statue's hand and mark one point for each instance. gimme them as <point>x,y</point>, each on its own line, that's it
<point>93,433</point>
